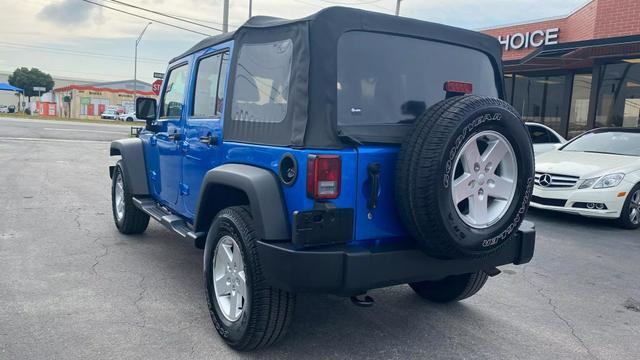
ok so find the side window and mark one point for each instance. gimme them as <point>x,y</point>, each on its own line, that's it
<point>210,84</point>
<point>224,68</point>
<point>173,98</point>
<point>261,88</point>
<point>539,135</point>
<point>553,138</point>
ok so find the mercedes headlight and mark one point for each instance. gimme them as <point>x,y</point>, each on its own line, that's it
<point>609,181</point>
<point>588,183</point>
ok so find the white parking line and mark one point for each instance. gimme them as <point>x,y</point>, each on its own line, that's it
<point>53,140</point>
<point>93,131</point>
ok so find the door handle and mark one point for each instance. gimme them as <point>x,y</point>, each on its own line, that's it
<point>175,137</point>
<point>209,140</point>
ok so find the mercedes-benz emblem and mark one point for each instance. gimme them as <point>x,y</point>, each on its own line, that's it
<point>545,180</point>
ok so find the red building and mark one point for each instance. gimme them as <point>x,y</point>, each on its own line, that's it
<point>578,71</point>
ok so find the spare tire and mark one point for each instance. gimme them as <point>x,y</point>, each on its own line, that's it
<point>465,176</point>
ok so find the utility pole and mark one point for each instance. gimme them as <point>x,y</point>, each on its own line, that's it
<point>225,17</point>
<point>250,6</point>
<point>398,7</point>
<point>135,66</point>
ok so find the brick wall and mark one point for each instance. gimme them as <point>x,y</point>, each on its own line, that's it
<point>581,24</point>
<point>617,18</point>
<point>595,20</point>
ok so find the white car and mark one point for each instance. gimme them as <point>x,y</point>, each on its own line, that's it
<point>110,114</point>
<point>128,117</point>
<point>597,174</point>
<point>4,109</point>
<point>544,138</point>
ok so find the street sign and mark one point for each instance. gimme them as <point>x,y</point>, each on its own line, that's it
<point>158,75</point>
<point>156,86</point>
<point>39,88</point>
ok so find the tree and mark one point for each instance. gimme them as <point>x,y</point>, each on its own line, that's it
<point>26,79</point>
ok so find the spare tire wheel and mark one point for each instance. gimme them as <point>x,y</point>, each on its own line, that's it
<point>465,176</point>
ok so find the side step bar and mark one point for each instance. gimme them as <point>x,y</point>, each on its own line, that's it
<point>172,222</point>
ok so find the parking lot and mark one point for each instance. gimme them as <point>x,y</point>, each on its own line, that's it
<point>73,287</point>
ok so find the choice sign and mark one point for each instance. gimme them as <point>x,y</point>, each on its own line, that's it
<point>156,86</point>
<point>530,39</point>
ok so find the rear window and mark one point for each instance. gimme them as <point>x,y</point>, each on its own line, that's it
<point>540,135</point>
<point>388,79</point>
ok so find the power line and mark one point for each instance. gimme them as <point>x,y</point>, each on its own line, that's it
<point>146,18</point>
<point>201,20</point>
<point>77,52</point>
<point>206,21</point>
<point>163,14</point>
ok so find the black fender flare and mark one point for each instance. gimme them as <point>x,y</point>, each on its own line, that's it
<point>132,152</point>
<point>262,191</point>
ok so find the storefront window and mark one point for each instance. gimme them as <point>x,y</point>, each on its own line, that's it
<point>508,87</point>
<point>540,99</point>
<point>619,95</point>
<point>579,112</point>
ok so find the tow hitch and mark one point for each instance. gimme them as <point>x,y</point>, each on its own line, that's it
<point>366,302</point>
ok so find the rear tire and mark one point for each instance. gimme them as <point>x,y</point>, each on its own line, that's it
<point>128,218</point>
<point>630,215</point>
<point>452,288</point>
<point>264,313</point>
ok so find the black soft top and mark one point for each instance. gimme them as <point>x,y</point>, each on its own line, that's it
<point>311,111</point>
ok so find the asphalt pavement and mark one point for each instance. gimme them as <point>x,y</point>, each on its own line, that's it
<point>72,287</point>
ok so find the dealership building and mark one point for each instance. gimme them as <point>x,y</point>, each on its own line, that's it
<point>89,101</point>
<point>576,72</point>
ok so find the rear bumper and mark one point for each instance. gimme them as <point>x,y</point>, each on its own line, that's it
<point>353,269</point>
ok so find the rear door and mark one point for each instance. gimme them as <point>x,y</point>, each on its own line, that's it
<point>385,82</point>
<point>168,142</point>
<point>203,127</point>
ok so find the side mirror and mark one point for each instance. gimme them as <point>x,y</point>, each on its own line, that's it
<point>146,110</point>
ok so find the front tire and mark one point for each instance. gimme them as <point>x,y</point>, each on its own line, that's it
<point>630,215</point>
<point>452,288</point>
<point>128,218</point>
<point>247,312</point>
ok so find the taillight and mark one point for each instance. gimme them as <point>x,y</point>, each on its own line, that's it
<point>458,87</point>
<point>323,176</point>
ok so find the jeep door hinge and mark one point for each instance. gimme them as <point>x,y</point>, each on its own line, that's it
<point>373,169</point>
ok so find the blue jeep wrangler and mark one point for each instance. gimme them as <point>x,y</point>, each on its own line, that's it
<point>337,153</point>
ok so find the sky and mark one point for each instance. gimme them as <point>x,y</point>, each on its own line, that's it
<point>76,39</point>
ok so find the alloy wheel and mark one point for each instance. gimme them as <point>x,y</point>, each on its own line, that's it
<point>484,179</point>
<point>119,196</point>
<point>229,278</point>
<point>634,207</point>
